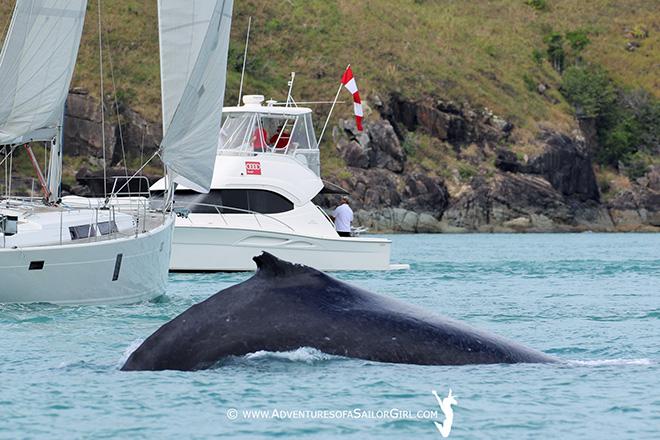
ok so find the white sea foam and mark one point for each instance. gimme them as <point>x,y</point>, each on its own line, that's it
<point>129,351</point>
<point>608,362</point>
<point>304,354</point>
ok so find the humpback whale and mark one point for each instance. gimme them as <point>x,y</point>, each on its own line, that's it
<point>286,306</point>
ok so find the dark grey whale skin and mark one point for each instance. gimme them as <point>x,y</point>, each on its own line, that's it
<point>286,306</point>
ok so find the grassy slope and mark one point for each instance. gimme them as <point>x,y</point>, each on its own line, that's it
<point>476,51</point>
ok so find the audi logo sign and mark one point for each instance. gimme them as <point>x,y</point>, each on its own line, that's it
<point>253,168</point>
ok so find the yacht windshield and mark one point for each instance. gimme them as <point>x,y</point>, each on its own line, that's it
<point>259,132</point>
<point>267,133</point>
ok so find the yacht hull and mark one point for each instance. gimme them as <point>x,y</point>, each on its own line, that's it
<point>89,273</point>
<point>212,249</point>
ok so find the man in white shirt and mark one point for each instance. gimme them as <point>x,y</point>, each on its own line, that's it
<point>343,216</point>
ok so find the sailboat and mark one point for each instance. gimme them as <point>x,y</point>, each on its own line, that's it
<point>100,251</point>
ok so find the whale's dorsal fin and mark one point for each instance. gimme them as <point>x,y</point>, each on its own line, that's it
<point>271,266</point>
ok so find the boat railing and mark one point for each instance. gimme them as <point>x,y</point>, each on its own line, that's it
<point>249,150</point>
<point>219,209</point>
<point>121,185</point>
<point>138,207</point>
<point>128,190</point>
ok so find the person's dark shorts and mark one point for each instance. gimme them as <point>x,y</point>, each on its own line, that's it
<point>344,234</point>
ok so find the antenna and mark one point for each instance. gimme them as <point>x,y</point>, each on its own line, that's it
<point>289,98</point>
<point>247,42</point>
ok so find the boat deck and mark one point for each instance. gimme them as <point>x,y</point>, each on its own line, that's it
<point>40,225</point>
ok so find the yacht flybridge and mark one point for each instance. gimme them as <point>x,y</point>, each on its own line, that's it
<point>107,250</point>
<point>267,171</point>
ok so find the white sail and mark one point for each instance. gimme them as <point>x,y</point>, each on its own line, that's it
<point>194,40</point>
<point>36,66</point>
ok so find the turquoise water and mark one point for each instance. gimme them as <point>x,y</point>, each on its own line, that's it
<point>589,298</point>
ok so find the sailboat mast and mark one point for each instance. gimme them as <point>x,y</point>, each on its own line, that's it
<point>55,165</point>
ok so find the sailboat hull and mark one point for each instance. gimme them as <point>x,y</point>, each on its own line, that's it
<point>122,270</point>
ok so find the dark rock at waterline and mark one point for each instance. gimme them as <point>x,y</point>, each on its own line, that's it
<point>507,200</point>
<point>373,188</point>
<point>566,164</point>
<point>425,193</point>
<point>636,206</point>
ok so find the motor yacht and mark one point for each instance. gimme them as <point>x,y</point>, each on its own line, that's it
<point>266,174</point>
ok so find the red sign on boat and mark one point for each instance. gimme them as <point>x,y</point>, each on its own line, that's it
<point>253,168</point>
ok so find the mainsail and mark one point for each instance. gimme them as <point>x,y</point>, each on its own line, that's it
<point>36,66</point>
<point>194,40</point>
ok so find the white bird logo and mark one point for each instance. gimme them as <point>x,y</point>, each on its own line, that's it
<point>445,405</point>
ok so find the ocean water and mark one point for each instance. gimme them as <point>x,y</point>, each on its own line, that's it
<point>592,300</point>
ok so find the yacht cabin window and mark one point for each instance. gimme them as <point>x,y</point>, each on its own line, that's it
<point>82,231</point>
<point>233,201</point>
<point>79,232</point>
<point>107,228</point>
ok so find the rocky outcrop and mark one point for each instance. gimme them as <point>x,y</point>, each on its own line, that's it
<point>508,201</point>
<point>383,207</point>
<point>566,164</point>
<point>554,190</point>
<point>377,147</point>
<point>373,189</point>
<point>385,195</point>
<point>425,193</point>
<point>652,179</point>
<point>447,121</point>
<point>82,130</point>
<point>141,137</point>
<point>516,202</point>
<point>506,160</point>
<point>639,206</point>
<point>399,220</point>
<point>82,127</point>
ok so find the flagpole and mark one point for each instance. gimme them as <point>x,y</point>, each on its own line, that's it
<point>334,102</point>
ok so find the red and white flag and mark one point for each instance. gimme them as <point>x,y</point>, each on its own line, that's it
<point>349,82</point>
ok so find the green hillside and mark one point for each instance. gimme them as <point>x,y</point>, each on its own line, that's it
<point>490,53</point>
<point>479,51</point>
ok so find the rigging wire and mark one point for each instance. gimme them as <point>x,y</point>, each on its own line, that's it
<point>105,189</point>
<point>137,172</point>
<point>114,91</point>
